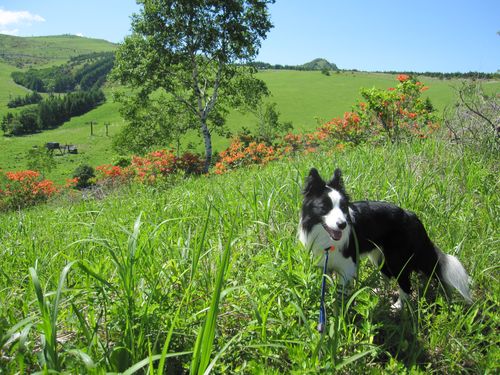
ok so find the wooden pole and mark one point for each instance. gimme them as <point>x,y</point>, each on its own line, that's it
<point>92,123</point>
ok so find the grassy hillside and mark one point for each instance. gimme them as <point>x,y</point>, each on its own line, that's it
<point>25,52</point>
<point>8,88</point>
<point>147,260</point>
<point>302,98</point>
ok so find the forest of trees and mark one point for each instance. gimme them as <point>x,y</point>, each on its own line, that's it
<point>20,101</point>
<point>51,112</point>
<point>467,75</point>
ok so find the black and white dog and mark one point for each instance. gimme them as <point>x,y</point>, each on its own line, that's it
<point>394,238</point>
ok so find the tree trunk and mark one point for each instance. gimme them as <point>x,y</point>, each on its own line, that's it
<point>208,145</point>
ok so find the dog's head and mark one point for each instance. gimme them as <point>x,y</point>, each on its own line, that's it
<point>326,204</point>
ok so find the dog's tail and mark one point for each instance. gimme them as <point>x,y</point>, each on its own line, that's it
<point>453,274</point>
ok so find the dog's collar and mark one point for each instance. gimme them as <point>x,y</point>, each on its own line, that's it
<point>330,248</point>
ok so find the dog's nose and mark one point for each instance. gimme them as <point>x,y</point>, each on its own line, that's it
<point>341,224</point>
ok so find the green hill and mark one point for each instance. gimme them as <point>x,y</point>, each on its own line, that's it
<point>302,97</point>
<point>23,52</point>
<point>319,64</point>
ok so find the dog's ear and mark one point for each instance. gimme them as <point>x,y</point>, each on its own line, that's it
<point>337,182</point>
<point>314,183</point>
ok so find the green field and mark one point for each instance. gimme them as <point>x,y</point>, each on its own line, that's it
<point>110,283</point>
<point>207,271</point>
<point>40,51</point>
<point>302,98</point>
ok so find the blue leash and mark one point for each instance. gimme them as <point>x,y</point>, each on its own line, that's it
<point>322,312</point>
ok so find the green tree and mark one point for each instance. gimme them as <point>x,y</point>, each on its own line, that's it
<point>40,160</point>
<point>153,121</point>
<point>194,50</point>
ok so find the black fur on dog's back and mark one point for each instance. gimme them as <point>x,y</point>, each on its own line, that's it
<point>398,233</point>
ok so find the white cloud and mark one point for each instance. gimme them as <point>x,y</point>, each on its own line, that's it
<point>80,35</point>
<point>8,17</point>
<point>9,31</point>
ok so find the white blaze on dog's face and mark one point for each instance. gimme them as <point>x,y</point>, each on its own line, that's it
<point>336,219</point>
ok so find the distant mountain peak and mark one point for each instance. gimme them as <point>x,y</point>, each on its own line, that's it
<point>319,64</point>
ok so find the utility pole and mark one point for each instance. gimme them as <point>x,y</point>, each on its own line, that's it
<point>107,125</point>
<point>92,123</point>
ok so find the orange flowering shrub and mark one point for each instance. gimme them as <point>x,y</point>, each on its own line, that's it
<point>399,112</point>
<point>238,155</point>
<point>150,167</point>
<point>348,129</point>
<point>24,188</point>
<point>112,174</point>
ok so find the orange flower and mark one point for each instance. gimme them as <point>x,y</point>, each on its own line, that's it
<point>403,77</point>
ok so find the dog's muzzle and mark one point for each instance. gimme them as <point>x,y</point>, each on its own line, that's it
<point>335,235</point>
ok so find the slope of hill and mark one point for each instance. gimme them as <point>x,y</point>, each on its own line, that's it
<point>319,64</point>
<point>23,52</point>
<point>302,97</point>
<point>147,258</point>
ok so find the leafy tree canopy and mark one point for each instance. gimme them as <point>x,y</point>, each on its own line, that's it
<point>194,51</point>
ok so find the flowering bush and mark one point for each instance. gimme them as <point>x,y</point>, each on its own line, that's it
<point>348,129</point>
<point>150,167</point>
<point>24,188</point>
<point>398,112</point>
<point>238,155</point>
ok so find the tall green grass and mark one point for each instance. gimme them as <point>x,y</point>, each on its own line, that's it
<point>206,274</point>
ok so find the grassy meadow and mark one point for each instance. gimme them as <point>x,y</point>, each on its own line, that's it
<point>41,51</point>
<point>302,98</point>
<point>207,273</point>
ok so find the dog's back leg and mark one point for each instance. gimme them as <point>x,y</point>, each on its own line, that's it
<point>404,290</point>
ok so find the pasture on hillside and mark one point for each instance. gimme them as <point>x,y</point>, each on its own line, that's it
<point>42,51</point>
<point>302,98</point>
<point>209,270</point>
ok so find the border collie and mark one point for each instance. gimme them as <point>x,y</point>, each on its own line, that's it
<point>394,238</point>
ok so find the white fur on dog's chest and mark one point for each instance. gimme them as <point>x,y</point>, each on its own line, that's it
<point>317,240</point>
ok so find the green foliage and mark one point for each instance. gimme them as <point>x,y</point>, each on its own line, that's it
<point>84,72</point>
<point>84,173</point>
<point>19,101</point>
<point>153,121</point>
<point>269,126</point>
<point>39,159</point>
<point>189,49</point>
<point>51,112</point>
<point>316,64</point>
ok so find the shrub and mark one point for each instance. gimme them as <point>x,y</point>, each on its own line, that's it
<point>84,176</point>
<point>474,120</point>
<point>238,154</point>
<point>24,188</point>
<point>39,159</point>
<point>150,167</point>
<point>398,112</point>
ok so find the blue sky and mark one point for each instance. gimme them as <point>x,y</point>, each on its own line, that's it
<point>439,35</point>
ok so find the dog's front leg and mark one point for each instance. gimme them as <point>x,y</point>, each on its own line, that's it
<point>346,269</point>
